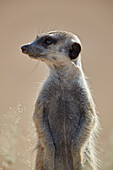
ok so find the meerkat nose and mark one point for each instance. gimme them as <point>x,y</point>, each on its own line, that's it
<point>24,48</point>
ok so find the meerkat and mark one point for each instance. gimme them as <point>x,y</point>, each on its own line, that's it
<point>65,115</point>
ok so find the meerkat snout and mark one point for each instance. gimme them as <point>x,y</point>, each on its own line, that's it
<point>24,48</point>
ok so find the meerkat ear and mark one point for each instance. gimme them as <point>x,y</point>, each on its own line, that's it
<point>74,50</point>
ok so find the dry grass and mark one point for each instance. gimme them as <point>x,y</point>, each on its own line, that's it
<point>16,140</point>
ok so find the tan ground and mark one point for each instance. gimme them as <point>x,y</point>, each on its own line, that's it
<point>20,22</point>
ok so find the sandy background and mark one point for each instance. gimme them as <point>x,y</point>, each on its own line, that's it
<point>20,77</point>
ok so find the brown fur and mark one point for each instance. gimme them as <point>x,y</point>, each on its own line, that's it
<point>65,115</point>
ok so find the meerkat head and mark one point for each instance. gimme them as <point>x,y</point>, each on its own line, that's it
<point>54,47</point>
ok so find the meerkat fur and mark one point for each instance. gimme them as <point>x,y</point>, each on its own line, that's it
<point>65,114</point>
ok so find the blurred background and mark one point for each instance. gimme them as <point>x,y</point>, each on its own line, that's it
<point>21,77</point>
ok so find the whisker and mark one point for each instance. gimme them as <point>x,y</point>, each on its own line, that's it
<point>29,61</point>
<point>35,67</point>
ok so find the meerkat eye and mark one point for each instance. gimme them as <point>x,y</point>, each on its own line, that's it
<point>48,41</point>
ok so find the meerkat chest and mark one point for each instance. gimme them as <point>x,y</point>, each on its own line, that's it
<point>63,114</point>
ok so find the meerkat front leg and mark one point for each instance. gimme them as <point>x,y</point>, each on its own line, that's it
<point>39,164</point>
<point>85,126</point>
<point>44,134</point>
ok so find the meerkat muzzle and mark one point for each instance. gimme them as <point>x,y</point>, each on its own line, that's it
<point>24,48</point>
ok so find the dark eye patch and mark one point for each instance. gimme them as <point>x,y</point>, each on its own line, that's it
<point>46,41</point>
